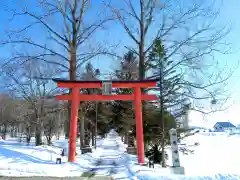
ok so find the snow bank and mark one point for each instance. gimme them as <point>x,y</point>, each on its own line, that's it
<point>172,177</point>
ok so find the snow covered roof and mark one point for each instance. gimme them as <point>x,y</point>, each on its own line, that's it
<point>225,124</point>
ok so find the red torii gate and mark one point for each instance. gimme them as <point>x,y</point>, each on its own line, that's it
<point>76,97</point>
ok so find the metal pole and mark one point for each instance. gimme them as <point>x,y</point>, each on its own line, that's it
<point>96,124</point>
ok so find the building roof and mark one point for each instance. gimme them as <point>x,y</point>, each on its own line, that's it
<point>225,124</point>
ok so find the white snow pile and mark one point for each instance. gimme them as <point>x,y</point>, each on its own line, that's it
<point>216,157</point>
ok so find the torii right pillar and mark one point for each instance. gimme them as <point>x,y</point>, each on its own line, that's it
<point>139,124</point>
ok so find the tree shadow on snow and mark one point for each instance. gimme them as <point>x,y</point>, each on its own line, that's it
<point>25,146</point>
<point>10,142</point>
<point>18,156</point>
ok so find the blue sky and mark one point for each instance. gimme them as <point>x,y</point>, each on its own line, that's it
<point>228,15</point>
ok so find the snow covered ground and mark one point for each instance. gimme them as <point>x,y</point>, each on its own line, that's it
<point>217,153</point>
<point>217,157</point>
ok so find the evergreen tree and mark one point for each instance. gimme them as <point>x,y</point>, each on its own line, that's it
<point>170,87</point>
<point>123,118</point>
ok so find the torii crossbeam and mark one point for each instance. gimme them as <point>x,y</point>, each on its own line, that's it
<point>76,97</point>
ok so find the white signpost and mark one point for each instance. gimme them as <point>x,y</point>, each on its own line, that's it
<point>176,168</point>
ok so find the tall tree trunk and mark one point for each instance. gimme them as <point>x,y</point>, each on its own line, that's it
<point>141,45</point>
<point>58,135</point>
<point>126,138</point>
<point>93,135</point>
<point>163,149</point>
<point>82,133</point>
<point>87,138</point>
<point>49,135</point>
<point>68,120</point>
<point>162,113</point>
<point>49,138</point>
<point>29,135</point>
<point>38,134</point>
<point>4,131</point>
<point>28,139</point>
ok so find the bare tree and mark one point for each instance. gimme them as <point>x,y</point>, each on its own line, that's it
<point>178,24</point>
<point>21,81</point>
<point>28,127</point>
<point>191,38</point>
<point>8,113</point>
<point>52,123</point>
<point>69,31</point>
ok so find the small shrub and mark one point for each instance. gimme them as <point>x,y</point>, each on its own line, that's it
<point>98,162</point>
<point>88,174</point>
<point>114,163</point>
<point>112,171</point>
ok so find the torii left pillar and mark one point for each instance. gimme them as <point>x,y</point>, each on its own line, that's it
<point>73,124</point>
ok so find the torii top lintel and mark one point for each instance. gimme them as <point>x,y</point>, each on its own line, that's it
<point>98,83</point>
